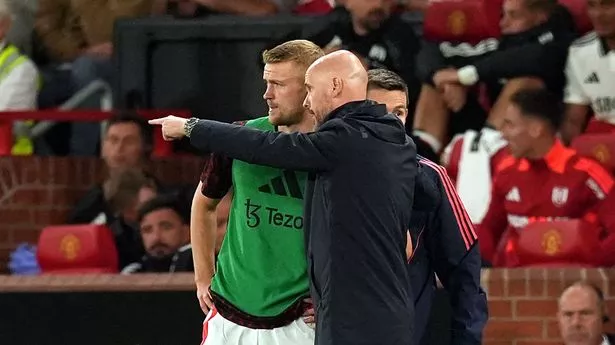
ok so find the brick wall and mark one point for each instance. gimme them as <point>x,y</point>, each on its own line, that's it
<point>35,192</point>
<point>523,302</point>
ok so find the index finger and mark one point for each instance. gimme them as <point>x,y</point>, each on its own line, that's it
<point>157,121</point>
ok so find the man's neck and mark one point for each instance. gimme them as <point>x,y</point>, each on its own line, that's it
<point>541,148</point>
<point>308,124</point>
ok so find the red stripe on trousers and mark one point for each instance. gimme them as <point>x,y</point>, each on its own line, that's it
<point>206,324</point>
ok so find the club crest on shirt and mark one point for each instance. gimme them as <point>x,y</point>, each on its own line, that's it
<point>551,242</point>
<point>559,196</point>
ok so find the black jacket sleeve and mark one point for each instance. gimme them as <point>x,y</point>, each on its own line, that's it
<point>456,259</point>
<point>88,207</point>
<point>545,61</point>
<point>317,151</point>
<point>429,60</point>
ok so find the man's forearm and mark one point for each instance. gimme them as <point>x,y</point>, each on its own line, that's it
<point>295,151</point>
<point>203,227</point>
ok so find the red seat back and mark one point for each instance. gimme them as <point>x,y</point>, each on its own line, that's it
<point>462,20</point>
<point>578,9</point>
<point>313,7</point>
<point>600,147</point>
<point>77,249</point>
<point>570,243</point>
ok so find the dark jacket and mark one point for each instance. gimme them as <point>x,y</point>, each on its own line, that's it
<point>357,210</point>
<point>539,52</point>
<point>446,244</point>
<point>180,261</point>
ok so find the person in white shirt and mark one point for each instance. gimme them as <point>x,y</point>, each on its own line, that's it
<point>18,74</point>
<point>582,314</point>
<point>590,74</point>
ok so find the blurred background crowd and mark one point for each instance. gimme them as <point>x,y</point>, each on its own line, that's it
<point>538,188</point>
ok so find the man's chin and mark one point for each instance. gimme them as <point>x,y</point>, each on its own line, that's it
<point>274,118</point>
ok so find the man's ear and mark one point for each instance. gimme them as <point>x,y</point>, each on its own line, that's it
<point>338,85</point>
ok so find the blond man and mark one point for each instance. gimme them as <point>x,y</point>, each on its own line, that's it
<point>256,294</point>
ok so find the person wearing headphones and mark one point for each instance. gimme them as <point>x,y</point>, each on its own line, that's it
<point>582,314</point>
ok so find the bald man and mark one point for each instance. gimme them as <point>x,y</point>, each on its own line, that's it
<point>358,200</point>
<point>582,314</point>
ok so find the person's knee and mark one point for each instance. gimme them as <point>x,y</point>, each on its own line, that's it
<point>515,84</point>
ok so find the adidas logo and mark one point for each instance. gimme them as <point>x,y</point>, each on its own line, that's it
<point>592,79</point>
<point>513,195</point>
<point>278,186</point>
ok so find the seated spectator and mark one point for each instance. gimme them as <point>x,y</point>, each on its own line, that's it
<point>79,32</point>
<point>22,29</point>
<point>543,181</point>
<point>531,51</point>
<point>127,144</point>
<point>166,238</point>
<point>18,81</point>
<point>126,193</point>
<point>582,314</point>
<point>378,35</point>
<point>590,72</point>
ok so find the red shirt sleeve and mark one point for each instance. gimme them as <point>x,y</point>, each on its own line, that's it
<point>217,175</point>
<point>600,184</point>
<point>494,224</point>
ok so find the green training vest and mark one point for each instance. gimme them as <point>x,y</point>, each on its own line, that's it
<point>262,268</point>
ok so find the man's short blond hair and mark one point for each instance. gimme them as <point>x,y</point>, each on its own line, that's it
<point>302,52</point>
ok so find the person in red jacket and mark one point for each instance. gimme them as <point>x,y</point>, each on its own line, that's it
<point>543,180</point>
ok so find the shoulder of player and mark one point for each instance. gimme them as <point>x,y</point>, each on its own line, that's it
<point>250,121</point>
<point>591,168</point>
<point>436,172</point>
<point>584,41</point>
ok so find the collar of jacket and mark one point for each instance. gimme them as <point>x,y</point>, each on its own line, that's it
<point>351,107</point>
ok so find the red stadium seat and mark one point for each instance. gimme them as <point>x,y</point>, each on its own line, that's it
<point>68,249</point>
<point>600,147</point>
<point>313,7</point>
<point>462,20</point>
<point>558,243</point>
<point>578,9</point>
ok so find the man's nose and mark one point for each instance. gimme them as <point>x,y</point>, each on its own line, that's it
<point>306,103</point>
<point>268,94</point>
